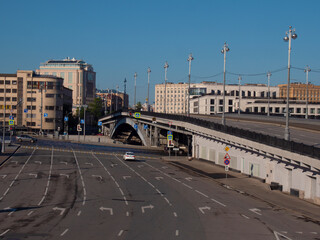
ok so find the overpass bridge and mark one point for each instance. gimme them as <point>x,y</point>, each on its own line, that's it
<point>290,166</point>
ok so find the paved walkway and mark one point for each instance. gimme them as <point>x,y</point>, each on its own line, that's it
<point>9,150</point>
<point>250,186</point>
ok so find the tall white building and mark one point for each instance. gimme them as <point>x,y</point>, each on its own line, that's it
<point>78,76</point>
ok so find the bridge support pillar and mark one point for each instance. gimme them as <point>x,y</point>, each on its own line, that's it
<point>156,136</point>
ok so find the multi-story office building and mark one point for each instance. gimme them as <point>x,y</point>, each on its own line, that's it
<point>78,76</point>
<point>298,91</point>
<point>113,100</point>
<point>33,100</point>
<point>176,98</point>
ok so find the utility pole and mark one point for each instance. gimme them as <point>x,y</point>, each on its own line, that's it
<point>307,70</point>
<point>166,65</point>
<point>149,71</point>
<point>224,51</point>
<point>135,88</point>
<point>190,58</point>
<point>239,110</point>
<point>4,118</point>
<point>269,75</point>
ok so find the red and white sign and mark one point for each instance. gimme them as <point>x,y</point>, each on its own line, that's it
<point>227,156</point>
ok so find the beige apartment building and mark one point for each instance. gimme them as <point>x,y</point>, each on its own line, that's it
<point>298,91</point>
<point>78,76</point>
<point>33,100</point>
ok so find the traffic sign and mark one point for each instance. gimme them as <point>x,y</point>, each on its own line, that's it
<point>25,110</point>
<point>170,144</point>
<point>137,115</point>
<point>169,133</point>
<point>227,156</point>
<point>226,168</point>
<point>226,161</point>
<point>11,122</point>
<point>82,121</point>
<point>145,126</point>
<point>170,137</point>
<point>45,114</point>
<point>135,126</point>
<point>227,148</point>
<point>99,123</point>
<point>79,129</point>
<point>66,119</point>
<point>11,117</point>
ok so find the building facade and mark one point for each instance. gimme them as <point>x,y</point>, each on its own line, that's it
<point>176,102</point>
<point>298,91</point>
<point>78,76</point>
<point>113,100</point>
<point>34,101</point>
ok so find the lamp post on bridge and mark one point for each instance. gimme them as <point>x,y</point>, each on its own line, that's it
<point>307,70</point>
<point>166,65</point>
<point>190,58</point>
<point>224,50</point>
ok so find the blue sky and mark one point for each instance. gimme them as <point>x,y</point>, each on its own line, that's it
<point>122,37</point>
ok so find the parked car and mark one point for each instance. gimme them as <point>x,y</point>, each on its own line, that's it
<point>129,156</point>
<point>26,138</point>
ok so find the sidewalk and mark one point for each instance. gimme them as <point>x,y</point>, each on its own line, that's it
<point>249,186</point>
<point>9,151</point>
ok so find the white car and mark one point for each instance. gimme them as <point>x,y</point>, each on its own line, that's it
<point>129,156</point>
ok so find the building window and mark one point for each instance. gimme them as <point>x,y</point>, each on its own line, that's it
<point>31,99</point>
<point>49,107</point>
<point>212,101</point>
<point>14,99</point>
<point>230,102</point>
<point>48,95</point>
<point>211,108</point>
<point>221,102</point>
<point>62,74</point>
<point>49,120</point>
<point>29,115</point>
<point>70,77</point>
<point>31,107</point>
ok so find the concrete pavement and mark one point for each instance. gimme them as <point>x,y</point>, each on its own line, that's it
<point>247,185</point>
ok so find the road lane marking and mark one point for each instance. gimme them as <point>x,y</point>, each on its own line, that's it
<point>120,233</point>
<point>64,232</point>
<point>79,213</point>
<point>30,213</point>
<point>59,209</point>
<point>15,162</point>
<point>126,177</point>
<point>202,194</point>
<point>65,163</point>
<point>187,186</point>
<point>3,176</point>
<point>204,208</point>
<point>189,179</point>
<point>167,201</point>
<point>33,174</point>
<point>245,216</point>
<point>314,233</point>
<point>175,214</point>
<point>65,175</point>
<point>6,231</point>
<point>159,178</point>
<point>87,163</point>
<point>256,211</point>
<point>177,233</point>
<point>127,214</point>
<point>83,185</point>
<point>280,236</point>
<point>146,207</point>
<point>216,201</point>
<point>106,209</point>
<point>38,162</point>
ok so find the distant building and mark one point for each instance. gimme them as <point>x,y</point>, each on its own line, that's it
<point>24,93</point>
<point>298,91</point>
<point>78,76</point>
<point>113,100</point>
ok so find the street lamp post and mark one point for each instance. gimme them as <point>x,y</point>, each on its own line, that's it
<point>117,87</point>
<point>4,119</point>
<point>239,78</point>
<point>269,75</point>
<point>190,58</point>
<point>135,88</point>
<point>289,35</point>
<point>307,70</point>
<point>224,50</point>
<point>149,71</point>
<point>166,65</point>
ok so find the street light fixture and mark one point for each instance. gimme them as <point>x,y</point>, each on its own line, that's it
<point>289,35</point>
<point>224,50</point>
<point>190,58</point>
<point>239,78</point>
<point>307,70</point>
<point>166,65</point>
<point>135,87</point>
<point>269,75</point>
<point>149,71</point>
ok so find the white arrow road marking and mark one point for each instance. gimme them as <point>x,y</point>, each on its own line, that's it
<point>158,178</point>
<point>3,176</point>
<point>114,164</point>
<point>64,232</point>
<point>314,233</point>
<point>278,235</point>
<point>256,211</point>
<point>107,209</point>
<point>64,163</point>
<point>164,167</point>
<point>15,162</point>
<point>33,174</point>
<point>145,207</point>
<point>97,176</point>
<point>4,232</point>
<point>66,175</point>
<point>59,209</point>
<point>204,208</point>
<point>188,179</point>
<point>125,177</point>
<point>140,166</point>
<point>88,163</point>
<point>39,162</point>
<point>120,233</point>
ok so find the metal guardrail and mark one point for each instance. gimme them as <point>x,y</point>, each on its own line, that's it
<point>291,146</point>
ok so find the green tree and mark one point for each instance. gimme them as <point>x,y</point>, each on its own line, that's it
<point>96,109</point>
<point>138,106</point>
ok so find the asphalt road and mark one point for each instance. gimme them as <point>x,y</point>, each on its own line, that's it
<point>73,191</point>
